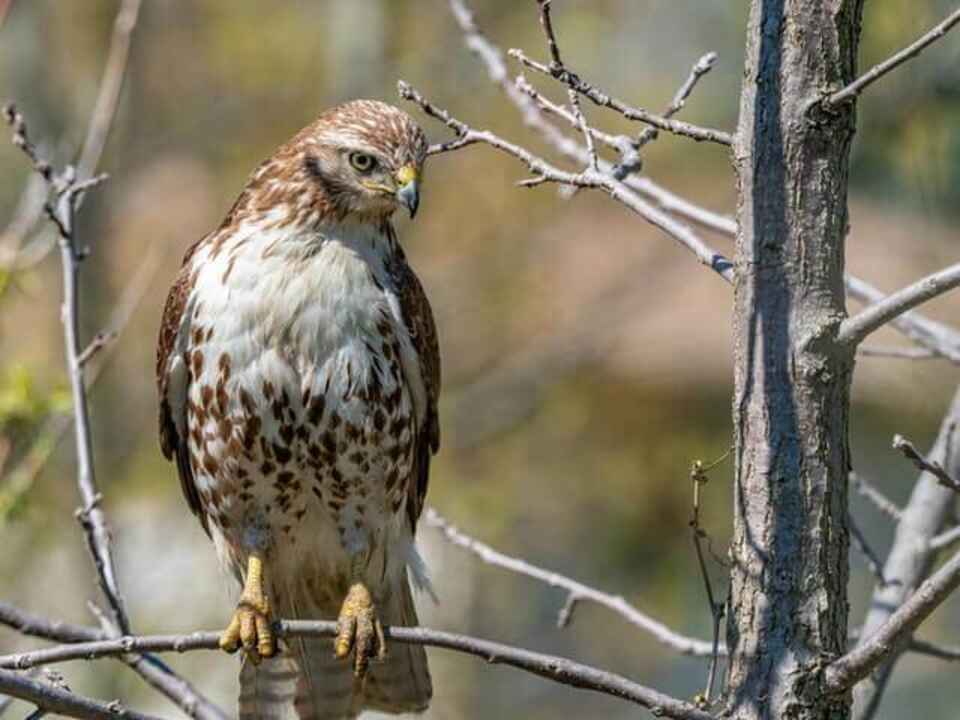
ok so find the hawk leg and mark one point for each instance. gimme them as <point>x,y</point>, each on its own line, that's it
<point>359,629</point>
<point>250,625</point>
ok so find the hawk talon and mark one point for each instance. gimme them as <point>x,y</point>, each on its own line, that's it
<point>250,625</point>
<point>359,629</point>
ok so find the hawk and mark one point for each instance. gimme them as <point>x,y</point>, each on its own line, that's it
<point>298,371</point>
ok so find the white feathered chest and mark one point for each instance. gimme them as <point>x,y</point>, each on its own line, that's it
<point>304,397</point>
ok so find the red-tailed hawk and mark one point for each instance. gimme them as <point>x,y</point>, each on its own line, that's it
<point>298,372</point>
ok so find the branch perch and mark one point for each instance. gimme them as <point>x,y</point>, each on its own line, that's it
<point>551,667</point>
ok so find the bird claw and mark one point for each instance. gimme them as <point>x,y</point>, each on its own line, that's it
<point>359,629</point>
<point>249,627</point>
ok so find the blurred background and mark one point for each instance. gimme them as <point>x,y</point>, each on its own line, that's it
<point>587,358</point>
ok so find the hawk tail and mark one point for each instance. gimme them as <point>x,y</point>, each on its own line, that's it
<point>308,683</point>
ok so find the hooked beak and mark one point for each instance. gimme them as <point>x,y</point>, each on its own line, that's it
<point>408,189</point>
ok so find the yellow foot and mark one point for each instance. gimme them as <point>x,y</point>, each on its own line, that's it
<point>250,625</point>
<point>359,629</point>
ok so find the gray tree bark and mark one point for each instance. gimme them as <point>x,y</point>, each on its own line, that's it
<point>788,603</point>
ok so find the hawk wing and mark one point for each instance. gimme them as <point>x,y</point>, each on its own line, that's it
<point>418,318</point>
<point>173,381</point>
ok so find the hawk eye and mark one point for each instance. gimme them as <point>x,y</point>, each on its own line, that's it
<point>362,162</point>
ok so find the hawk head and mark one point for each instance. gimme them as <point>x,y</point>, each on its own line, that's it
<point>358,161</point>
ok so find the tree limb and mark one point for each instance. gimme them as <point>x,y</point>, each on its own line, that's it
<point>911,556</point>
<point>853,330</point>
<point>936,336</point>
<point>852,90</point>
<point>558,669</point>
<point>892,636</point>
<point>64,703</point>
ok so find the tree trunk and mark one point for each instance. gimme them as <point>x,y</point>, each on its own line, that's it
<point>788,604</point>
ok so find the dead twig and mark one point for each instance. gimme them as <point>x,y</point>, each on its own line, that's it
<point>910,452</point>
<point>581,592</point>
<point>699,477</point>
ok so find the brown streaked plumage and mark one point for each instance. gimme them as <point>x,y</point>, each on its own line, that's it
<point>298,370</point>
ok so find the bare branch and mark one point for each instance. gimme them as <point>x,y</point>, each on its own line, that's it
<point>149,667</point>
<point>111,83</point>
<point>37,626</point>
<point>677,127</point>
<point>698,474</point>
<point>659,631</point>
<point>586,179</point>
<point>855,329</point>
<point>62,702</point>
<point>551,667</point>
<point>911,555</point>
<point>943,652</point>
<point>930,334</point>
<point>935,336</point>
<point>874,563</point>
<point>101,120</point>
<point>20,478</point>
<point>852,90</point>
<point>945,539</point>
<point>881,501</point>
<point>910,452</point>
<point>841,674</point>
<point>898,353</point>
<point>66,190</point>
<point>559,71</point>
<point>700,68</point>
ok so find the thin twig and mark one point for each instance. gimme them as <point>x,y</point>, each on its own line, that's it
<point>910,452</point>
<point>101,122</point>
<point>111,83</point>
<point>677,127</point>
<point>551,667</point>
<point>62,702</point>
<point>700,68</point>
<point>898,353</point>
<point>545,172</point>
<point>699,477</point>
<point>852,90</point>
<point>871,493</point>
<point>945,539</point>
<point>853,330</point>
<point>874,564</point>
<point>660,632</point>
<point>560,72</point>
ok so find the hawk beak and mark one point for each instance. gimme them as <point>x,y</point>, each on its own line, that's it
<point>408,189</point>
